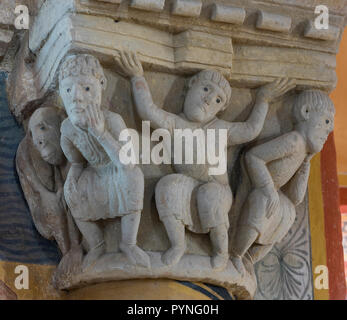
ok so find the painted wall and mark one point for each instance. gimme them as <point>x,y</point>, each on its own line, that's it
<point>339,97</point>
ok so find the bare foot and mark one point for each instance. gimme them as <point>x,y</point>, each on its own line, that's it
<point>173,255</point>
<point>92,256</point>
<point>219,261</point>
<point>238,264</point>
<point>136,255</point>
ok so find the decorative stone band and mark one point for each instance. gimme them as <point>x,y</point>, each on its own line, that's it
<point>270,21</point>
<point>176,44</point>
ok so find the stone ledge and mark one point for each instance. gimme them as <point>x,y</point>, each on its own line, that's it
<point>114,266</point>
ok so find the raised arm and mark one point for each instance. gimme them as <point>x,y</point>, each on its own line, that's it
<point>242,132</point>
<point>147,110</point>
<point>107,130</point>
<point>77,161</point>
<point>296,187</point>
<point>258,157</point>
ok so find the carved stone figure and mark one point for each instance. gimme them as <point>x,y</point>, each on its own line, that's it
<point>278,171</point>
<point>209,93</point>
<point>98,186</point>
<point>42,169</point>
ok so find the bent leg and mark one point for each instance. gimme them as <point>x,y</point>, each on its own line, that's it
<point>93,234</point>
<point>248,228</point>
<point>60,233</point>
<point>214,202</point>
<point>130,226</point>
<point>176,231</point>
<point>173,196</point>
<point>219,240</point>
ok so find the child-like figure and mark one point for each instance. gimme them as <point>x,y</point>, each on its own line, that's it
<point>98,186</point>
<point>209,93</point>
<point>279,171</point>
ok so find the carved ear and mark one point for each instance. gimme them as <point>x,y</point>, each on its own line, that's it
<point>192,81</point>
<point>305,111</point>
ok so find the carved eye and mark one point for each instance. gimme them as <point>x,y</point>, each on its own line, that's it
<point>205,89</point>
<point>68,90</point>
<point>42,128</point>
<point>40,142</point>
<point>218,100</point>
<point>87,88</point>
<point>102,82</point>
<point>327,121</point>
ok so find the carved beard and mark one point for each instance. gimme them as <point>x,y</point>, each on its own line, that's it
<point>80,119</point>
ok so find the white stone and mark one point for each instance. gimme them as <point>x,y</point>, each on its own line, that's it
<point>228,14</point>
<point>273,22</point>
<point>148,5</point>
<point>187,8</point>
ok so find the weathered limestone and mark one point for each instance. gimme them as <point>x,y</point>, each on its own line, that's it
<point>330,34</point>
<point>273,22</point>
<point>278,171</point>
<point>249,69</point>
<point>229,14</point>
<point>187,8</point>
<point>148,5</point>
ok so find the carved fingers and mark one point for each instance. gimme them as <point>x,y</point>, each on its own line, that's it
<point>96,120</point>
<point>275,89</point>
<point>129,64</point>
<point>283,86</point>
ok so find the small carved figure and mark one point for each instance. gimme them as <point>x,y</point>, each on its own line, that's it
<point>42,169</point>
<point>209,93</point>
<point>279,171</point>
<point>98,185</point>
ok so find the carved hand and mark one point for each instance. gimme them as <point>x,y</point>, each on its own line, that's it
<point>96,121</point>
<point>129,64</point>
<point>273,199</point>
<point>275,89</point>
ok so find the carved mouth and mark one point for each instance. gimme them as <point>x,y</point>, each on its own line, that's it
<point>48,156</point>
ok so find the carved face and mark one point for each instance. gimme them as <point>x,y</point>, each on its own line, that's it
<point>318,127</point>
<point>46,138</point>
<point>203,101</point>
<point>77,93</point>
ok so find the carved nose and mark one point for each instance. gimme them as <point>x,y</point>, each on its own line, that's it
<point>208,99</point>
<point>78,96</point>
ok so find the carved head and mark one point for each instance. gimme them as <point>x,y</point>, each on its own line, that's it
<point>209,93</point>
<point>81,82</point>
<point>44,128</point>
<point>314,113</point>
